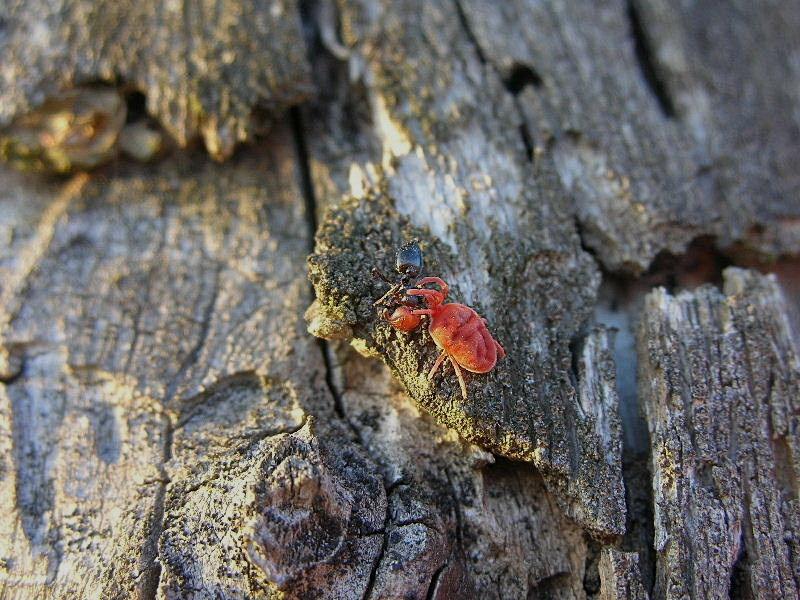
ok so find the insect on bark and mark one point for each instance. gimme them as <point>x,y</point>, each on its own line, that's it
<point>457,329</point>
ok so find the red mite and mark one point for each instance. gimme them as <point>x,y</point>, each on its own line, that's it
<point>457,329</point>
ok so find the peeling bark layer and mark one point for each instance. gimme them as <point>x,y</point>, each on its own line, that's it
<point>719,384</point>
<point>203,66</point>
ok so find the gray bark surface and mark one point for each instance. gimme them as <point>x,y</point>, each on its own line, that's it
<point>730,71</point>
<point>706,93</point>
<point>169,427</point>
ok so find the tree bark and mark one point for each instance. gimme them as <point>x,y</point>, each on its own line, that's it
<point>719,385</point>
<point>578,172</point>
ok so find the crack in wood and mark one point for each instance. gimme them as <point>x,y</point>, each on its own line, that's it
<point>434,584</point>
<point>647,64</point>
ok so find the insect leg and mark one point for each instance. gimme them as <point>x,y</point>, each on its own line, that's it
<point>378,274</point>
<point>435,280</point>
<point>436,365</point>
<point>393,290</point>
<point>460,376</point>
<point>432,296</point>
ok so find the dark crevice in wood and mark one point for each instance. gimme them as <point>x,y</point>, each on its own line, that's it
<point>384,543</point>
<point>700,263</point>
<point>584,246</point>
<point>376,565</point>
<point>152,578</point>
<point>527,141</point>
<point>306,10</point>
<point>306,183</point>
<point>740,588</point>
<point>647,64</point>
<point>591,574</point>
<point>639,505</point>
<point>551,586</point>
<point>619,300</point>
<point>435,582</point>
<point>307,187</point>
<point>520,77</point>
<point>464,20</point>
<point>457,511</point>
<point>575,349</point>
<point>338,404</point>
<point>136,103</point>
<point>617,308</point>
<point>309,195</point>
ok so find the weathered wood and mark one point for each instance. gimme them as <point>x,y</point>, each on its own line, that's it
<point>147,310</point>
<point>461,523</point>
<point>730,69</point>
<point>169,428</point>
<point>179,394</point>
<point>620,576</point>
<point>586,104</point>
<point>659,135</point>
<point>719,376</point>
<point>203,67</point>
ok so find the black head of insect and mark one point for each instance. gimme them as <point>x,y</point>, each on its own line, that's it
<point>408,260</point>
<point>408,264</point>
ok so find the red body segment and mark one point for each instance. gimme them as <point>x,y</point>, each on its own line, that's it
<point>403,319</point>
<point>460,331</point>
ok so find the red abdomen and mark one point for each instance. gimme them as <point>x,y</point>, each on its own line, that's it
<point>463,333</point>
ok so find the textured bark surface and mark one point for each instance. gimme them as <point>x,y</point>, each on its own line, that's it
<point>665,122</point>
<point>719,383</point>
<point>730,69</point>
<point>620,576</point>
<point>170,429</point>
